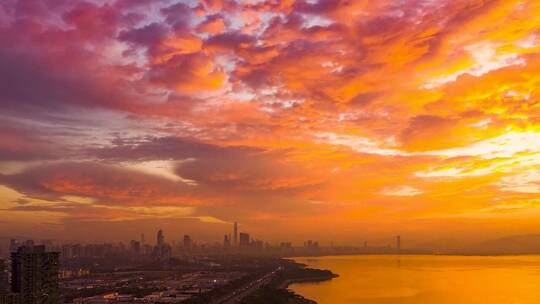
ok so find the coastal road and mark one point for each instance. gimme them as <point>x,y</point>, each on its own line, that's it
<point>236,296</point>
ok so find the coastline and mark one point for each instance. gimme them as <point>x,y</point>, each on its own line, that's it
<point>287,283</point>
<point>314,279</point>
<point>309,279</point>
<point>292,272</point>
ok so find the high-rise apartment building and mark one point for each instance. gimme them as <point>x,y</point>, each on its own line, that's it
<point>34,275</point>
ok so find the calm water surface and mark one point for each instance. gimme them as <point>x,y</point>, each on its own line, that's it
<point>425,280</point>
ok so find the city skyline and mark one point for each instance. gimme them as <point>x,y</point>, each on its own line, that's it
<point>333,121</point>
<point>163,250</point>
<point>176,239</point>
<point>187,244</point>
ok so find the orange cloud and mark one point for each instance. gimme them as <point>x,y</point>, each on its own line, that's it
<point>378,115</point>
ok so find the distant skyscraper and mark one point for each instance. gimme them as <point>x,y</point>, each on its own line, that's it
<point>35,275</point>
<point>226,241</point>
<point>235,234</point>
<point>160,238</point>
<point>142,239</point>
<point>244,240</point>
<point>135,248</point>
<point>188,243</point>
<point>398,243</point>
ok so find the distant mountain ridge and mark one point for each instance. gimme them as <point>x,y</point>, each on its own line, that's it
<point>519,244</point>
<point>515,244</point>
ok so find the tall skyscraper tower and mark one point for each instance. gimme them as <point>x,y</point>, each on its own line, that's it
<point>398,243</point>
<point>160,238</point>
<point>34,275</point>
<point>188,243</point>
<point>235,234</point>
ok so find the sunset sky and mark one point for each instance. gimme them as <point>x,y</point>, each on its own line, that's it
<point>327,120</point>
